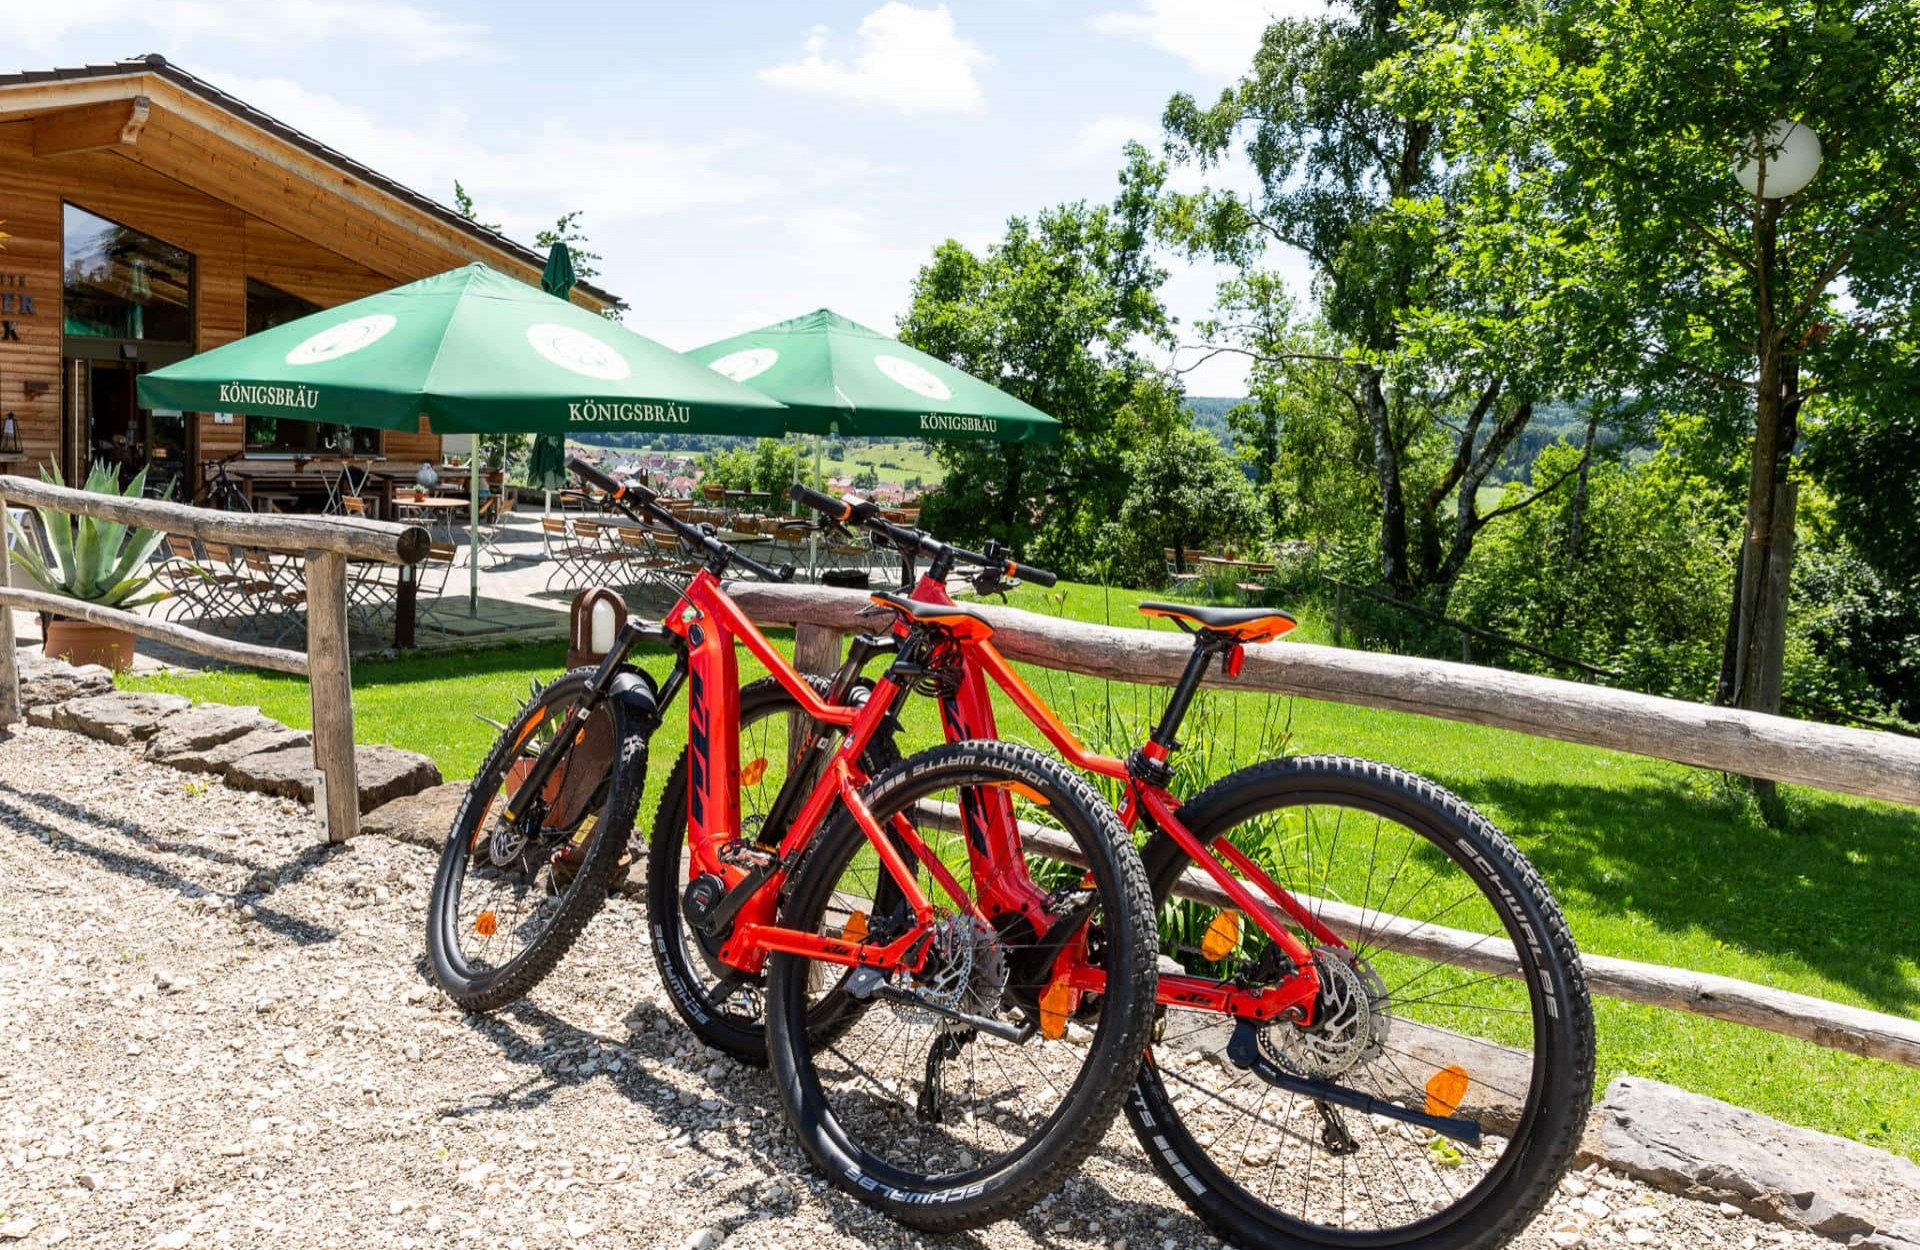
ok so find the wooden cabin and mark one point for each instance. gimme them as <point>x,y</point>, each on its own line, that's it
<point>145,215</point>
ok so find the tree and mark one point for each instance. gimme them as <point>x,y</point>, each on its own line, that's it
<point>463,204</point>
<point>1053,314</point>
<point>566,230</point>
<point>1436,340</point>
<point>1762,310</point>
<point>1185,492</point>
<point>867,478</point>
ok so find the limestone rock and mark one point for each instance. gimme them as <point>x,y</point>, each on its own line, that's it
<point>422,818</point>
<point>121,717</point>
<point>220,757</point>
<point>385,774</point>
<point>1714,1151</point>
<point>44,681</point>
<point>203,726</point>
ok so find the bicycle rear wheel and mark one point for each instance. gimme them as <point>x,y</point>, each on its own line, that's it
<point>945,1120</point>
<point>1458,995</point>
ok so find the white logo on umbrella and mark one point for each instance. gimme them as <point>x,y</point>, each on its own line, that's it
<point>342,340</point>
<point>750,363</point>
<point>578,352</point>
<point>913,377</point>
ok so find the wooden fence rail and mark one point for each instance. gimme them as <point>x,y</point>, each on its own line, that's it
<point>1828,757</point>
<point>326,545</point>
<point>1873,1034</point>
<point>1831,757</point>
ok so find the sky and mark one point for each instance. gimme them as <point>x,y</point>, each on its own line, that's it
<point>737,161</point>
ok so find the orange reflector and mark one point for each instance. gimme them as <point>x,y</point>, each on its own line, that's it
<point>1446,1090</point>
<point>1056,1004</point>
<point>752,773</point>
<point>855,930</point>
<point>1024,791</point>
<point>484,924</point>
<point>1223,936</point>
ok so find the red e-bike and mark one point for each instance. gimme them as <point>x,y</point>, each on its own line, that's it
<point>1377,1031</point>
<point>905,971</point>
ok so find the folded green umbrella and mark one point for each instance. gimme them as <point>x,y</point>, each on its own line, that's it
<point>473,351</point>
<point>547,464</point>
<point>836,376</point>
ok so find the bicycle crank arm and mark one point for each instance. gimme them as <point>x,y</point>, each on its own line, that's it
<point>1243,1051</point>
<point>871,982</point>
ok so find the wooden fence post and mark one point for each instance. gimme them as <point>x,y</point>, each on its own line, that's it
<point>9,666</point>
<point>330,678</point>
<point>816,650</point>
<point>1339,612</point>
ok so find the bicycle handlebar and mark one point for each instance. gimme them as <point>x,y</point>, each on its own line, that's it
<point>618,492</point>
<point>905,538</point>
<point>819,501</point>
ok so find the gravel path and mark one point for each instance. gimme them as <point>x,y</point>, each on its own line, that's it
<point>215,1032</point>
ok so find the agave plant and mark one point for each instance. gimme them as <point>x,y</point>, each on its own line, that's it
<point>94,561</point>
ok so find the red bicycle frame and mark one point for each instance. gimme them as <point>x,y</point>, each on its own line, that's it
<point>969,714</point>
<point>710,623</point>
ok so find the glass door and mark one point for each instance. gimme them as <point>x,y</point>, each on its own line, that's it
<point>126,437</point>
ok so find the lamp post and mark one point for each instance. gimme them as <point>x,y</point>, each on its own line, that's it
<point>1777,164</point>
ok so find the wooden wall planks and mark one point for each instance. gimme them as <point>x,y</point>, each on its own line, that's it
<point>237,213</point>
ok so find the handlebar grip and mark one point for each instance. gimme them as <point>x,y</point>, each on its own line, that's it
<point>1028,573</point>
<point>838,509</point>
<point>592,475</point>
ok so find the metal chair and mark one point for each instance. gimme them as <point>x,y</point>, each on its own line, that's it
<point>278,600</point>
<point>564,551</point>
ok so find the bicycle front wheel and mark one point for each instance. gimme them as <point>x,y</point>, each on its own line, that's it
<point>959,1094</point>
<point>506,906</point>
<point>1453,1004</point>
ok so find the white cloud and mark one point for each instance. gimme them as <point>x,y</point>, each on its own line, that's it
<point>1100,140</point>
<point>395,32</point>
<point>1215,37</point>
<point>523,179</point>
<point>904,58</point>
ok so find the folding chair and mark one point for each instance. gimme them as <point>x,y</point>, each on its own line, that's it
<point>275,598</point>
<point>430,578</point>
<point>564,551</point>
<point>603,555</point>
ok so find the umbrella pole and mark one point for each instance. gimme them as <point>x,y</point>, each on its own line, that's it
<point>473,530</point>
<point>813,539</point>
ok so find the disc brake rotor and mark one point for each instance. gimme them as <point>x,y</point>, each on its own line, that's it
<point>966,970</point>
<point>1350,1020</point>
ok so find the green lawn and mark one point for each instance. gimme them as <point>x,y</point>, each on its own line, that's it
<point>1651,861</point>
<point>896,462</point>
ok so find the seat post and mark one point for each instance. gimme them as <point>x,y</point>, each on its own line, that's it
<point>1176,711</point>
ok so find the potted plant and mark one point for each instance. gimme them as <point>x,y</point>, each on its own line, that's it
<point>94,561</point>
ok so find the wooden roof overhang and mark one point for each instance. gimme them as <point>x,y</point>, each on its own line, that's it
<point>160,117</point>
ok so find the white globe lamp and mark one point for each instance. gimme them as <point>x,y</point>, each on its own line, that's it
<point>1790,156</point>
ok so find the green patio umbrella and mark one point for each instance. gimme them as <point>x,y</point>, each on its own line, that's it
<point>473,351</point>
<point>547,464</point>
<point>837,376</point>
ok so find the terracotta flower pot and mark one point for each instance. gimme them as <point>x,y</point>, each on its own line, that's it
<point>83,642</point>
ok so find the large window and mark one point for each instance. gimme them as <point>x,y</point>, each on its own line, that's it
<point>121,284</point>
<point>267,307</point>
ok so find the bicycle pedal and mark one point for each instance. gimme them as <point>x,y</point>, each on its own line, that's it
<point>748,857</point>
